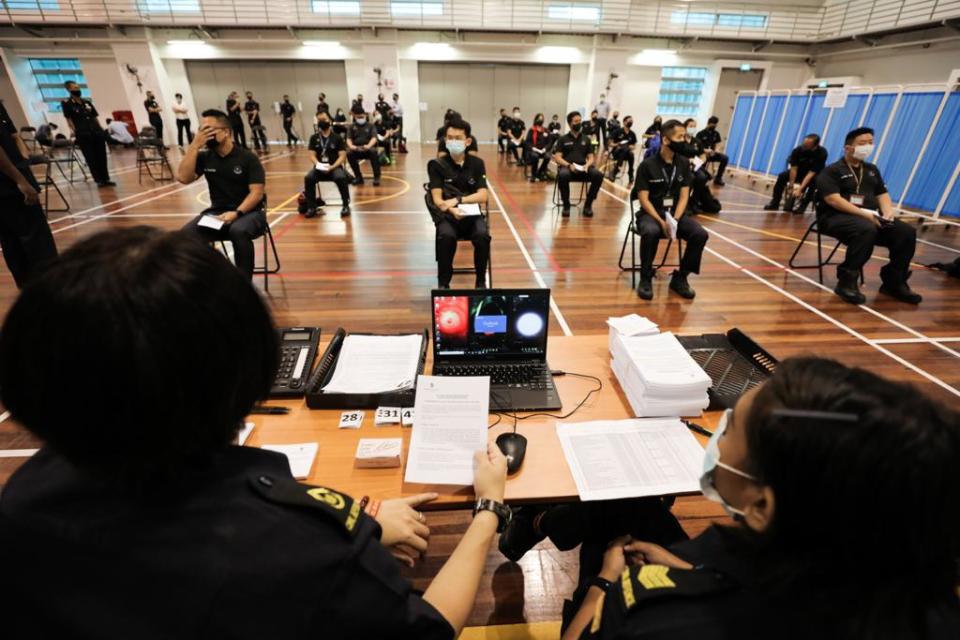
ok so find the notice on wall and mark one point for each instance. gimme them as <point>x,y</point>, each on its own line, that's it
<point>836,98</point>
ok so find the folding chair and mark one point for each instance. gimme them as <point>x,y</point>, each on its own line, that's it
<point>38,159</point>
<point>265,270</point>
<point>437,216</point>
<point>632,234</point>
<point>821,263</point>
<point>151,153</point>
<point>64,152</point>
<point>574,202</point>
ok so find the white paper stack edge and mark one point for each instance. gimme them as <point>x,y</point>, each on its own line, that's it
<point>658,376</point>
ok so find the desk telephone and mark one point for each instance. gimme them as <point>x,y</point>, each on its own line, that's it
<point>298,350</point>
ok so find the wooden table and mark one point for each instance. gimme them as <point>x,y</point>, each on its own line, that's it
<point>544,476</point>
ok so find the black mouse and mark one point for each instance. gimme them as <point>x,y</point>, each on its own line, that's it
<point>513,446</point>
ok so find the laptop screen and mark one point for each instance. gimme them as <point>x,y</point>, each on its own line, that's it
<point>490,324</point>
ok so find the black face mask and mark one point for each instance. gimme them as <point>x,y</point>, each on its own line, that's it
<point>576,126</point>
<point>538,121</point>
<point>212,143</point>
<point>682,148</point>
<point>76,93</point>
<point>324,125</point>
<point>628,123</point>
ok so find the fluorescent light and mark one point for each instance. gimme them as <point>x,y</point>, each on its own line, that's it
<point>187,43</point>
<point>555,54</point>
<point>401,8</point>
<point>321,43</point>
<point>659,52</point>
<point>745,67</point>
<point>573,12</point>
<point>337,7</point>
<point>435,50</point>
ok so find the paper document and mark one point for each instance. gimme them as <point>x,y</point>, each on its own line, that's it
<point>244,433</point>
<point>210,222</point>
<point>633,325</point>
<point>300,456</point>
<point>578,167</point>
<point>380,137</point>
<point>469,209</point>
<point>375,364</point>
<point>451,425</point>
<point>611,459</point>
<point>378,453</point>
<point>537,151</point>
<point>697,162</point>
<point>671,226</point>
<point>323,167</point>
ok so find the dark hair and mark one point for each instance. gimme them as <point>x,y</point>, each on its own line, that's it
<point>814,137</point>
<point>178,95</point>
<point>850,491</point>
<point>856,133</point>
<point>456,122</point>
<point>67,83</point>
<point>217,115</point>
<point>688,121</point>
<point>713,120</point>
<point>137,353</point>
<point>667,127</point>
<point>516,108</point>
<point>571,115</point>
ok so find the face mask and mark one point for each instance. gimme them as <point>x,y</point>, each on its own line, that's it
<point>516,114</point>
<point>456,147</point>
<point>691,131</point>
<point>76,93</point>
<point>538,121</point>
<point>324,125</point>
<point>212,143</point>
<point>862,151</point>
<point>628,123</point>
<point>576,126</point>
<point>711,460</point>
<point>361,121</point>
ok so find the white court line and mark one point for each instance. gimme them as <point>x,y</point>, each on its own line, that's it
<point>912,340</point>
<point>818,312</point>
<point>536,274</point>
<point>17,453</point>
<point>4,415</point>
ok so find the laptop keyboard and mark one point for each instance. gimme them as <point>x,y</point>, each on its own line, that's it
<point>525,376</point>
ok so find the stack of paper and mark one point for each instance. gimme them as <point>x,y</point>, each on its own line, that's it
<point>631,325</point>
<point>658,376</point>
<point>378,453</point>
<point>376,364</point>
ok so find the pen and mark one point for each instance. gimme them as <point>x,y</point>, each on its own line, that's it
<point>693,426</point>
<point>270,411</point>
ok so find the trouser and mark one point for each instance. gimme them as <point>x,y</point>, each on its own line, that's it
<point>157,123</point>
<point>701,199</point>
<point>722,159</point>
<point>538,162</point>
<point>386,146</point>
<point>94,150</point>
<point>25,236</point>
<point>239,136</point>
<point>292,138</point>
<point>781,184</point>
<point>515,149</point>
<point>502,142</point>
<point>313,177</point>
<point>355,156</point>
<point>183,125</point>
<point>449,231</point>
<point>860,237</point>
<point>621,154</point>
<point>399,122</point>
<point>602,132</point>
<point>688,230</point>
<point>565,176</point>
<point>259,135</point>
<point>241,233</point>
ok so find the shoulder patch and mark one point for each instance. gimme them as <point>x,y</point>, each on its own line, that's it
<point>339,507</point>
<point>652,581</point>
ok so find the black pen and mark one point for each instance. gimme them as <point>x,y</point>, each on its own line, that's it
<point>693,426</point>
<point>270,411</point>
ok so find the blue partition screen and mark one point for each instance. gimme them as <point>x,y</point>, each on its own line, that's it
<point>753,130</point>
<point>816,118</point>
<point>907,132</point>
<point>796,105</point>
<point>878,113</point>
<point>952,205</point>
<point>842,121</point>
<point>939,161</point>
<point>738,128</point>
<point>767,133</point>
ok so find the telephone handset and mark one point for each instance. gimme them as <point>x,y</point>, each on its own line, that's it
<point>324,367</point>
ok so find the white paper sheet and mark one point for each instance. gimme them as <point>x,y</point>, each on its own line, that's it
<point>697,163</point>
<point>611,459</point>
<point>451,425</point>
<point>300,456</point>
<point>211,222</point>
<point>323,167</point>
<point>633,325</point>
<point>671,226</point>
<point>245,433</point>
<point>469,209</point>
<point>375,364</point>
<point>577,167</point>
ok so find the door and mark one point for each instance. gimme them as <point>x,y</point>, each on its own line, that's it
<point>732,81</point>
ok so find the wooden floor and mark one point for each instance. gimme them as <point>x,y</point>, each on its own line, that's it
<point>374,271</point>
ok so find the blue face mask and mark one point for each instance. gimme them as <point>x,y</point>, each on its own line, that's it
<point>711,460</point>
<point>456,147</point>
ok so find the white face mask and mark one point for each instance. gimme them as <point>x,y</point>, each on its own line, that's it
<point>691,131</point>
<point>516,114</point>
<point>711,460</point>
<point>862,151</point>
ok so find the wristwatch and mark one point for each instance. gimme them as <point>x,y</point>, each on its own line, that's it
<point>602,583</point>
<point>503,512</point>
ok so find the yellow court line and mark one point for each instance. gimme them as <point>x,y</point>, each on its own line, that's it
<point>527,631</point>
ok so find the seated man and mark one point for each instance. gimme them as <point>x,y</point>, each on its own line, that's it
<point>46,132</point>
<point>503,126</point>
<point>709,139</point>
<point>515,137</point>
<point>143,495</point>
<point>236,181</point>
<point>854,207</point>
<point>328,153</point>
<point>118,133</point>
<point>472,148</point>
<point>663,189</point>
<point>362,145</point>
<point>555,127</point>
<point>623,141</point>
<point>456,178</point>
<point>537,146</point>
<point>386,129</point>
<point>805,162</point>
<point>574,157</point>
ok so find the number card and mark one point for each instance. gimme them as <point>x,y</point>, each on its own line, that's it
<point>387,415</point>
<point>351,419</point>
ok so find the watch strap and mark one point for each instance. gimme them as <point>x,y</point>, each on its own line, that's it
<point>602,583</point>
<point>502,511</point>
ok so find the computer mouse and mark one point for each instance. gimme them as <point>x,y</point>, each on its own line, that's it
<point>514,447</point>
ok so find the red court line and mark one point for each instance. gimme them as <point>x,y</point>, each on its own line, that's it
<point>523,218</point>
<point>297,218</point>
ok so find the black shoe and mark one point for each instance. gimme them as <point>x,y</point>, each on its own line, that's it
<point>107,183</point>
<point>679,284</point>
<point>901,291</point>
<point>480,283</point>
<point>520,536</point>
<point>565,212</point>
<point>321,202</point>
<point>719,181</point>
<point>533,179</point>
<point>310,213</point>
<point>645,289</point>
<point>771,206</point>
<point>345,211</point>
<point>587,211</point>
<point>443,286</point>
<point>358,182</point>
<point>376,182</point>
<point>848,290</point>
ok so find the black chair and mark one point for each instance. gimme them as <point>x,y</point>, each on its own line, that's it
<point>63,151</point>
<point>821,263</point>
<point>632,236</point>
<point>574,202</point>
<point>151,155</point>
<point>41,159</point>
<point>437,216</point>
<point>267,238</point>
<point>29,137</point>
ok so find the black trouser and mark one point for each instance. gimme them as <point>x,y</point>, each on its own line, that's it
<point>861,236</point>
<point>449,230</point>
<point>688,230</point>
<point>781,184</point>
<point>722,159</point>
<point>385,144</point>
<point>338,176</point>
<point>538,162</point>
<point>502,142</point>
<point>94,149</point>
<point>565,176</point>
<point>259,135</point>
<point>371,154</point>
<point>239,136</point>
<point>241,233</point>
<point>399,122</point>
<point>157,123</point>
<point>621,153</point>
<point>515,150</point>
<point>291,136</point>
<point>602,132</point>
<point>183,125</point>
<point>25,236</point>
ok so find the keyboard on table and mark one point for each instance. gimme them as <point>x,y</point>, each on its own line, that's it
<point>528,376</point>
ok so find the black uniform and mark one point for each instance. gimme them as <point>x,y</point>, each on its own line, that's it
<point>622,140</point>
<point>709,139</point>
<point>861,235</point>
<point>517,127</point>
<point>503,124</point>
<point>323,107</point>
<point>286,111</point>
<point>24,233</point>
<point>576,149</point>
<point>236,122</point>
<point>460,180</point>
<point>90,136</point>
<point>241,550</point>
<point>229,179</point>
<point>360,135</point>
<point>340,125</point>
<point>537,146</point>
<point>806,161</point>
<point>652,130</point>
<point>554,128</point>
<point>155,120</point>
<point>592,129</point>
<point>383,107</point>
<point>663,182</point>
<point>328,150</point>
<point>257,130</point>
<point>386,124</point>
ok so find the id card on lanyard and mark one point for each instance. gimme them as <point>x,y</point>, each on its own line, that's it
<point>668,198</point>
<point>857,199</point>
<point>323,149</point>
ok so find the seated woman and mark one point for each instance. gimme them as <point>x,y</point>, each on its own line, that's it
<point>135,358</point>
<point>845,494</point>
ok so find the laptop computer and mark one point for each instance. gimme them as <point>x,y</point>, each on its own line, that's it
<point>500,333</point>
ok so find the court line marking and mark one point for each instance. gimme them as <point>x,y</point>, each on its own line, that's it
<point>4,415</point>
<point>17,453</point>
<point>533,267</point>
<point>913,340</point>
<point>406,187</point>
<point>822,314</point>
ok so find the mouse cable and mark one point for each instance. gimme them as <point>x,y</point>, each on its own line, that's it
<point>515,417</point>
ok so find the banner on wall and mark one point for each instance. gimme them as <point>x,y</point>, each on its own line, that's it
<point>836,98</point>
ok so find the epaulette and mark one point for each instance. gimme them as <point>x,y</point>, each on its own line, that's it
<point>341,508</point>
<point>654,581</point>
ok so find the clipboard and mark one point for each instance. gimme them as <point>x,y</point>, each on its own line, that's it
<point>317,399</point>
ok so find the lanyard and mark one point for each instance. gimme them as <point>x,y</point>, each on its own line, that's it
<point>669,178</point>
<point>858,177</point>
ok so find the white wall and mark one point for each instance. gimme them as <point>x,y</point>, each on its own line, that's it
<point>906,65</point>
